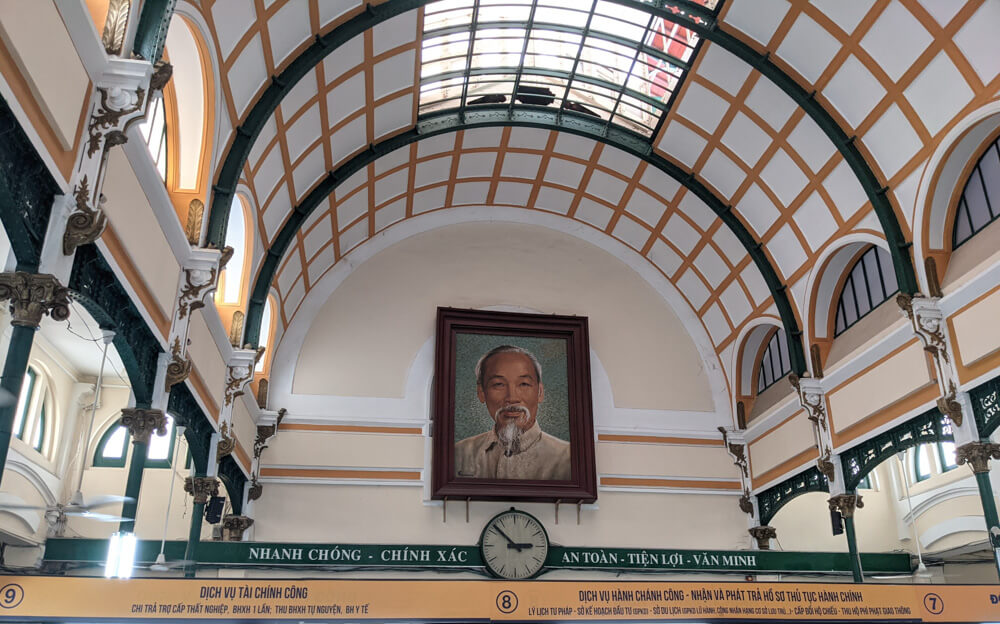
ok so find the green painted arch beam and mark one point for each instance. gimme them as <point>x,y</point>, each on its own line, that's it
<point>564,121</point>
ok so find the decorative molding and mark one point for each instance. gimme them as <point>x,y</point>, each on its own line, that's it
<point>264,433</point>
<point>198,284</point>
<point>237,377</point>
<point>32,296</point>
<point>236,329</point>
<point>141,423</point>
<point>179,367</point>
<point>115,103</point>
<point>195,217</point>
<point>201,488</point>
<point>262,394</point>
<point>116,26</point>
<point>86,224</point>
<point>226,443</point>
<point>846,504</point>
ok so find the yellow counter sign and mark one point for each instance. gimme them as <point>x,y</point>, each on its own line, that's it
<point>34,598</point>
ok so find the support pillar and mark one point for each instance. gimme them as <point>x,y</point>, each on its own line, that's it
<point>30,297</point>
<point>201,488</point>
<point>846,504</point>
<point>141,423</point>
<point>977,455</point>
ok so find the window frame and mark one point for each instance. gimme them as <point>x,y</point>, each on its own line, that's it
<point>157,113</point>
<point>991,196</point>
<point>247,251</point>
<point>783,360</point>
<point>870,257</point>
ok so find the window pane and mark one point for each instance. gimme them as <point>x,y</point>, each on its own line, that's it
<point>235,238</point>
<point>948,455</point>
<point>990,166</point>
<point>38,436</point>
<point>921,463</point>
<point>114,448</point>
<point>975,200</point>
<point>265,332</point>
<point>159,446</point>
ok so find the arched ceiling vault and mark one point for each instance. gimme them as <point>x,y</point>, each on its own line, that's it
<point>747,44</point>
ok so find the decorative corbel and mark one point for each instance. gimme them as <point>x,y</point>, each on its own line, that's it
<point>812,398</point>
<point>85,225</point>
<point>928,323</point>
<point>264,434</point>
<point>141,423</point>
<point>199,283</point>
<point>226,443</point>
<point>237,377</point>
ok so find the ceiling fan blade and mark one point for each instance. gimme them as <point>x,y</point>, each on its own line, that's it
<point>99,517</point>
<point>169,565</point>
<point>107,499</point>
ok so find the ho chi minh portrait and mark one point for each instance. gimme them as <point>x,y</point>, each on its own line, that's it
<point>510,388</point>
<point>512,407</point>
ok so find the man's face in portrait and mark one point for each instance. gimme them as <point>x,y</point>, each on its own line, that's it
<point>511,391</point>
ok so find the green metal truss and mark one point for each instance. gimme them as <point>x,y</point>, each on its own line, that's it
<point>858,461</point>
<point>777,496</point>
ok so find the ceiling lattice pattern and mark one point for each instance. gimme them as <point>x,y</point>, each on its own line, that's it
<point>895,73</point>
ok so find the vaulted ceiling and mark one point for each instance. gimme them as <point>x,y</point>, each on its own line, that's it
<point>876,85</point>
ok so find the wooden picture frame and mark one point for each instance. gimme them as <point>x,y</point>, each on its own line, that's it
<point>471,460</point>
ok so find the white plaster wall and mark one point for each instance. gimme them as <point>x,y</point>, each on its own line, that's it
<point>369,331</point>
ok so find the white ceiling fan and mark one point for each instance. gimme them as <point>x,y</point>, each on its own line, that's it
<point>75,507</point>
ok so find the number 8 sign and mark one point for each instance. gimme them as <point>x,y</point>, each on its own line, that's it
<point>11,595</point>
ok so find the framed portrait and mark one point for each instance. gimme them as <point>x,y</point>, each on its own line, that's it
<point>513,416</point>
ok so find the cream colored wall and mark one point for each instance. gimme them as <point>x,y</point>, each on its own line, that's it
<point>36,37</point>
<point>366,335</point>
<point>781,443</point>
<point>892,380</point>
<point>869,330</point>
<point>206,357</point>
<point>132,218</point>
<point>665,460</point>
<point>397,514</point>
<point>976,330</point>
<point>354,450</point>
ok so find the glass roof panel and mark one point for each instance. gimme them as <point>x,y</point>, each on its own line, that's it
<point>597,58</point>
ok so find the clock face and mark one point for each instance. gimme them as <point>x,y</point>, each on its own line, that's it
<point>514,545</point>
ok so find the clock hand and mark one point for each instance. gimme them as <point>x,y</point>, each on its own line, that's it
<point>511,543</point>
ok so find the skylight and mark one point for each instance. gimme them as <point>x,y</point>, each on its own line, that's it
<point>595,57</point>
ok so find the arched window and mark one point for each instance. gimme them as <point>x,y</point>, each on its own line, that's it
<point>154,132</point>
<point>236,237</point>
<point>980,202</point>
<point>266,330</point>
<point>933,458</point>
<point>870,282</point>
<point>112,449</point>
<point>30,420</point>
<point>774,365</point>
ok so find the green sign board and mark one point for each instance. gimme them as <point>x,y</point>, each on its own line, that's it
<point>292,555</point>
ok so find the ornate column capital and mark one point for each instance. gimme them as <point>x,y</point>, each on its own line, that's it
<point>845,504</point>
<point>202,488</point>
<point>32,296</point>
<point>141,423</point>
<point>977,455</point>
<point>233,527</point>
<point>763,534</point>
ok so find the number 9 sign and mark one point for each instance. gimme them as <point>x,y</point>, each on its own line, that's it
<point>11,595</point>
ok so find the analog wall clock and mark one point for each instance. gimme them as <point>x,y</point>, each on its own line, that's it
<point>514,545</point>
